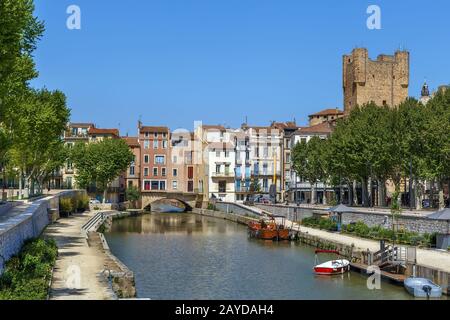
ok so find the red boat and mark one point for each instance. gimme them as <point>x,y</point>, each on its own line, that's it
<point>268,230</point>
<point>331,267</point>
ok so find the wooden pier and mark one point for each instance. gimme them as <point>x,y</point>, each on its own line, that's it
<point>398,278</point>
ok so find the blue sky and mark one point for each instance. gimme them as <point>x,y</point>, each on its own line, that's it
<point>176,61</point>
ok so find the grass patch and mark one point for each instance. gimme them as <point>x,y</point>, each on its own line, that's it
<point>27,275</point>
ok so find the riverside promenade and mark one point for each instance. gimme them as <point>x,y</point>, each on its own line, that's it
<point>78,270</point>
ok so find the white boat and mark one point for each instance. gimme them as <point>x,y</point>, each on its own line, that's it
<point>331,267</point>
<point>422,288</point>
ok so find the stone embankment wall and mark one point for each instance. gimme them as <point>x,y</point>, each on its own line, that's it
<point>237,209</point>
<point>28,225</point>
<point>418,224</point>
<point>226,216</point>
<point>121,278</point>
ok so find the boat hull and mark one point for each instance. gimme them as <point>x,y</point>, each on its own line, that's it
<point>332,267</point>
<point>416,287</point>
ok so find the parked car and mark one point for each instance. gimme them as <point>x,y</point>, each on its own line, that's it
<point>94,201</point>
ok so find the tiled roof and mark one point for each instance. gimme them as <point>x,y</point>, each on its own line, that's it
<point>324,128</point>
<point>216,127</point>
<point>327,112</point>
<point>132,141</point>
<point>154,129</point>
<point>114,132</point>
<point>80,124</point>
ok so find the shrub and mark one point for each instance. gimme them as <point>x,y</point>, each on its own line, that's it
<point>65,205</point>
<point>27,275</point>
<point>82,203</point>
<point>211,207</point>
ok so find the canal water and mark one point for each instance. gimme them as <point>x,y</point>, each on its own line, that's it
<point>186,256</point>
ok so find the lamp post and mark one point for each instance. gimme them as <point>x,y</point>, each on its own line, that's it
<point>410,185</point>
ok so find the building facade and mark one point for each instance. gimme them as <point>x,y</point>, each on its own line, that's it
<point>155,158</point>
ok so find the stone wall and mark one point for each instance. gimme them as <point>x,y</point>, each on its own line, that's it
<point>28,225</point>
<point>415,224</point>
<point>418,224</point>
<point>292,213</point>
<point>226,216</point>
<point>236,208</point>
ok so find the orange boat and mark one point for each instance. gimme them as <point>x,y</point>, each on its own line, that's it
<point>268,230</point>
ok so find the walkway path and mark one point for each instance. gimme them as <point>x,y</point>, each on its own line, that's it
<point>75,255</point>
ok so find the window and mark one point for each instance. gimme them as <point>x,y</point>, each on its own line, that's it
<point>164,144</point>
<point>163,172</point>
<point>190,172</point>
<point>175,172</point>
<point>162,185</point>
<point>217,154</point>
<point>155,172</point>
<point>190,186</point>
<point>218,168</point>
<point>155,135</point>
<point>155,185</point>
<point>146,185</point>
<point>147,135</point>
<point>160,159</point>
<point>175,159</point>
<point>132,168</point>
<point>227,154</point>
<point>222,186</point>
<point>174,185</point>
<point>227,169</point>
<point>146,144</point>
<point>164,135</point>
<point>146,158</point>
<point>145,172</point>
<point>130,184</point>
<point>155,144</point>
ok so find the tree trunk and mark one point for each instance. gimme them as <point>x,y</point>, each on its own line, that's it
<point>312,194</point>
<point>105,193</point>
<point>382,193</point>
<point>369,193</point>
<point>349,194</point>
<point>20,185</point>
<point>364,192</point>
<point>355,194</point>
<point>324,202</point>
<point>441,195</point>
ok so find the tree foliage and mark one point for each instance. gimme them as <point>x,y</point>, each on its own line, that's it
<point>100,163</point>
<point>382,143</point>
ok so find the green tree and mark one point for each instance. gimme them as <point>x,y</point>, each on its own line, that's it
<point>100,163</point>
<point>133,195</point>
<point>37,148</point>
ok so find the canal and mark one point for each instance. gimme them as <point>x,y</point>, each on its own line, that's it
<point>186,256</point>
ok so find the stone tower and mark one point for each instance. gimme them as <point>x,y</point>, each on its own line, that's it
<point>384,81</point>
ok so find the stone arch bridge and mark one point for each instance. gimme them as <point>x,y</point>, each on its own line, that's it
<point>191,200</point>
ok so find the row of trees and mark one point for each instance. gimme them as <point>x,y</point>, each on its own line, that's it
<point>382,144</point>
<point>31,120</point>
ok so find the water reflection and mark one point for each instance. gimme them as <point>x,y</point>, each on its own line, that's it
<point>185,256</point>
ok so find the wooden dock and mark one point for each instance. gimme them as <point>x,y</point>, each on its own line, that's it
<point>398,278</point>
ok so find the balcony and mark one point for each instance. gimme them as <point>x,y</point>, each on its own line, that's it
<point>222,175</point>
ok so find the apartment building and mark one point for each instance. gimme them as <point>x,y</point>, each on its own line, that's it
<point>133,173</point>
<point>155,158</point>
<point>287,130</point>
<point>217,161</point>
<point>258,161</point>
<point>184,163</point>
